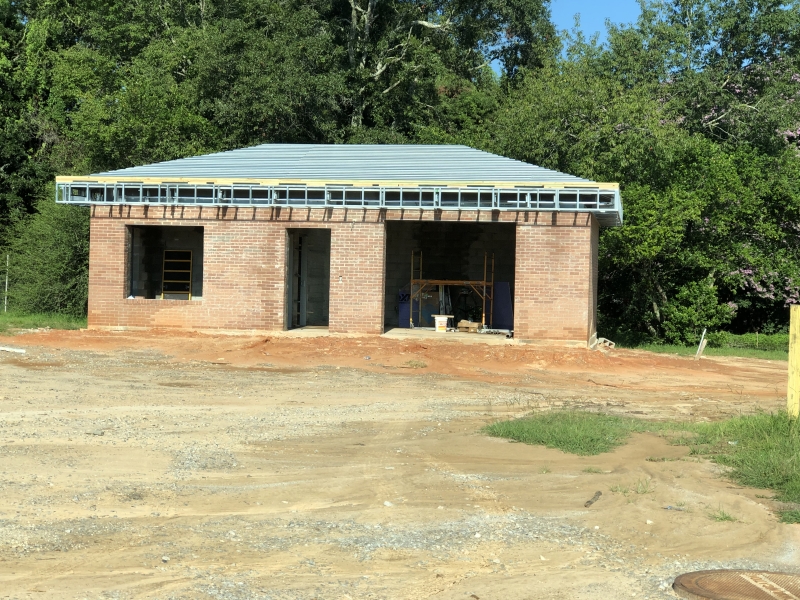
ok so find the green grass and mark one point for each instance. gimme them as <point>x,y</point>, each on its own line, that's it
<point>759,451</point>
<point>593,470</point>
<point>644,486</point>
<point>11,321</point>
<point>690,351</point>
<point>790,516</point>
<point>575,432</point>
<point>721,515</point>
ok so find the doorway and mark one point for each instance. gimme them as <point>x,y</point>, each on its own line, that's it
<point>309,278</point>
<point>451,251</point>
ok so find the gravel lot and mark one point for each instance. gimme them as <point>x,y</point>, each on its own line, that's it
<point>138,474</point>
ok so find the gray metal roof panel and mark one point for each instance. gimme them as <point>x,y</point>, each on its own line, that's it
<point>343,162</point>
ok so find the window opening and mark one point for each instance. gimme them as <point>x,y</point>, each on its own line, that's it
<point>165,262</point>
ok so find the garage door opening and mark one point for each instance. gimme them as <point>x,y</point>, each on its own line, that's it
<point>452,252</point>
<point>309,278</point>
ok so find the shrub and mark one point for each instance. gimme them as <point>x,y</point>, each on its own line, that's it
<point>49,261</point>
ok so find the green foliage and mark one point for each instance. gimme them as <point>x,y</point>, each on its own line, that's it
<point>49,261</point>
<point>699,124</point>
<point>694,110</point>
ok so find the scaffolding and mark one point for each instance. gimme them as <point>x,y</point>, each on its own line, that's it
<point>484,288</point>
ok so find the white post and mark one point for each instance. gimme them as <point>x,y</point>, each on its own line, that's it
<point>701,346</point>
<point>5,299</point>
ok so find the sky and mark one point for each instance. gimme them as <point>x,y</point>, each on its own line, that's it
<point>593,14</point>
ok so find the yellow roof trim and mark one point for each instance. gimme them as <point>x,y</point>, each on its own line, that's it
<point>332,182</point>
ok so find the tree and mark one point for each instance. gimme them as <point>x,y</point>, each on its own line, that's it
<point>49,260</point>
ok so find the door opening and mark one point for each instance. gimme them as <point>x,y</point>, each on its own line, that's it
<point>309,276</point>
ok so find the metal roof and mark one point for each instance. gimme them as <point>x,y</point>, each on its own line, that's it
<point>342,162</point>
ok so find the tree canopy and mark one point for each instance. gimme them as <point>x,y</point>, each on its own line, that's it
<point>694,109</point>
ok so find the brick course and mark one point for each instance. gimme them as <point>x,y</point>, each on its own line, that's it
<point>245,256</point>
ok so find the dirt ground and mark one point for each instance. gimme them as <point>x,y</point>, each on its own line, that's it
<point>179,465</point>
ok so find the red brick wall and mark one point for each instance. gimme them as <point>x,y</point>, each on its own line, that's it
<point>593,281</point>
<point>358,259</point>
<point>244,268</point>
<point>555,279</point>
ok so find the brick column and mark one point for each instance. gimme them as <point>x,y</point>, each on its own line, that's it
<point>358,271</point>
<point>555,290</point>
<point>108,260</point>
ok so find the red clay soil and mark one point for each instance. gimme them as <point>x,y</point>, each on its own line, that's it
<point>709,387</point>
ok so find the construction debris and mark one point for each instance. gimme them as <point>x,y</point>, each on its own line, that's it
<point>593,499</point>
<point>602,343</point>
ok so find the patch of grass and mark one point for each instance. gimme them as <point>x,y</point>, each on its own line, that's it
<point>720,515</point>
<point>11,321</point>
<point>659,459</point>
<point>544,470</point>
<point>644,486</point>
<point>593,470</point>
<point>416,364</point>
<point>581,433</point>
<point>759,451</point>
<point>790,516</point>
<point>764,455</point>
<point>618,488</point>
<point>690,351</point>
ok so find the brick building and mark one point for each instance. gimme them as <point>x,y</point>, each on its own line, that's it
<point>280,236</point>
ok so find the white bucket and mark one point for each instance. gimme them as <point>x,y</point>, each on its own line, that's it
<point>441,323</point>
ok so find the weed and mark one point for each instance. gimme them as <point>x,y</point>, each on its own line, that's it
<point>618,488</point>
<point>544,470</point>
<point>593,470</point>
<point>416,364</point>
<point>644,486</point>
<point>720,515</point>
<point>659,459</point>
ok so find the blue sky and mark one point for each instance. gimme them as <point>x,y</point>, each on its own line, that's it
<point>593,14</point>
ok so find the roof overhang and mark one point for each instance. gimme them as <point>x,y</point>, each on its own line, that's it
<point>602,200</point>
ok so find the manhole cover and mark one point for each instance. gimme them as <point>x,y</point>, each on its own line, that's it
<point>737,585</point>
